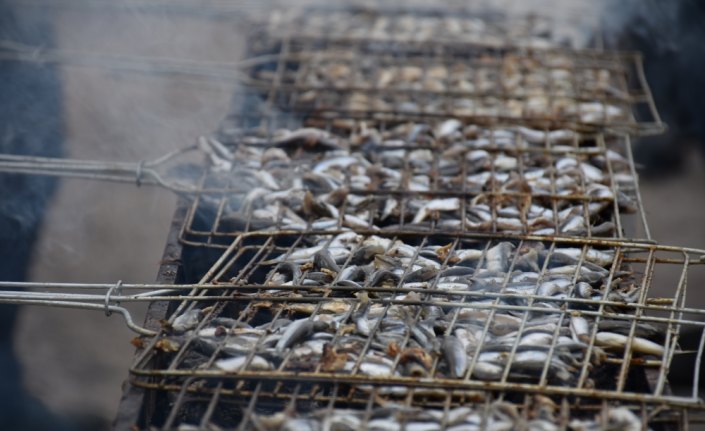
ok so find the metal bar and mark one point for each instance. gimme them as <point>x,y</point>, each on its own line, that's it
<point>443,384</point>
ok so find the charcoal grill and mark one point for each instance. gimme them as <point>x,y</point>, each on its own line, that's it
<point>237,286</point>
<point>240,286</point>
<point>554,86</point>
<point>230,268</point>
<point>234,287</point>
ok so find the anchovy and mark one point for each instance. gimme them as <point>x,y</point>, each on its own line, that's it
<point>291,269</point>
<point>323,260</point>
<point>447,128</point>
<point>366,253</point>
<point>528,261</point>
<point>612,340</point>
<point>424,274</point>
<point>456,271</point>
<point>188,320</point>
<point>383,274</point>
<point>313,207</point>
<point>584,290</point>
<point>234,364</point>
<point>298,330</point>
<point>487,371</point>
<point>423,336</point>
<point>449,204</point>
<point>580,328</point>
<point>498,257</point>
<point>352,273</point>
<point>455,355</point>
<point>536,339</point>
<point>374,366</point>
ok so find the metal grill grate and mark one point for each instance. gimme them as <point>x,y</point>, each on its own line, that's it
<point>569,88</point>
<point>413,27</point>
<point>479,410</point>
<point>587,303</point>
<point>372,176</point>
<point>413,221</point>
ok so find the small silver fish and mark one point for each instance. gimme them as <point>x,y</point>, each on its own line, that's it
<point>298,330</point>
<point>611,340</point>
<point>322,259</point>
<point>187,321</point>
<point>447,204</point>
<point>237,363</point>
<point>455,355</point>
<point>580,329</point>
<point>487,371</point>
<point>498,257</point>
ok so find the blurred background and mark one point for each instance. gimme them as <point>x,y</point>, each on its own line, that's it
<point>74,362</point>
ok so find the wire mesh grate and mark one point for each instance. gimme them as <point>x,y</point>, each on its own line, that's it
<point>479,410</point>
<point>577,88</point>
<point>441,175</point>
<point>412,27</point>
<point>425,320</point>
<point>416,221</point>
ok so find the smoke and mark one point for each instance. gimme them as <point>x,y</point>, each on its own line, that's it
<point>102,233</point>
<point>92,232</point>
<point>669,34</point>
<point>646,18</point>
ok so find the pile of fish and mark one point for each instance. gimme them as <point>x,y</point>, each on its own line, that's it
<point>523,76</point>
<point>498,416</point>
<point>413,28</point>
<point>551,85</point>
<point>433,311</point>
<point>355,298</point>
<point>375,277</point>
<point>415,176</point>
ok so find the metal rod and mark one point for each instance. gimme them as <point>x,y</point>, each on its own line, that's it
<point>84,306</point>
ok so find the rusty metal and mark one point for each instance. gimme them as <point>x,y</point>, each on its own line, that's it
<point>390,27</point>
<point>240,285</point>
<point>210,222</point>
<point>577,88</point>
<point>243,276</point>
<point>235,289</point>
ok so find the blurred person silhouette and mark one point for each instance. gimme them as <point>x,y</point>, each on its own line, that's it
<point>670,34</point>
<point>30,124</point>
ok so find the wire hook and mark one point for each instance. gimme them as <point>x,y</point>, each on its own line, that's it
<point>115,288</point>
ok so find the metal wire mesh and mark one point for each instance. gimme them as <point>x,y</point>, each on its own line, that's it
<point>479,411</point>
<point>438,175</point>
<point>575,88</point>
<point>411,26</point>
<point>414,221</point>
<point>563,318</point>
<point>419,227</point>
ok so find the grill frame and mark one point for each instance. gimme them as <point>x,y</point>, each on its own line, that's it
<point>149,396</point>
<point>504,29</point>
<point>283,58</point>
<point>208,233</point>
<point>153,396</point>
